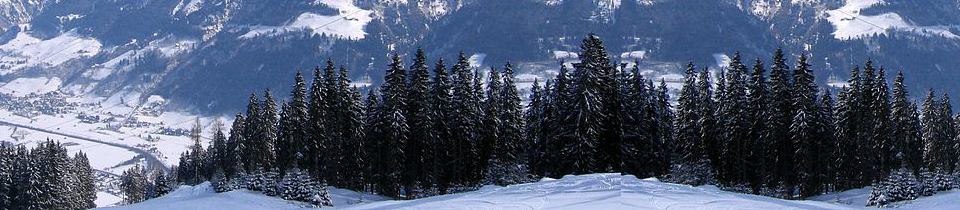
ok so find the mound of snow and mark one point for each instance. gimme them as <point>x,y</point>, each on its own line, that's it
<point>25,86</point>
<point>349,23</point>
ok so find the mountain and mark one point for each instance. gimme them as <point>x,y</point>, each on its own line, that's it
<point>209,55</point>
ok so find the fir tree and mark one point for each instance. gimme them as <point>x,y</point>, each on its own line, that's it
<point>418,118</point>
<point>779,121</point>
<point>804,130</point>
<point>439,114</point>
<point>393,128</point>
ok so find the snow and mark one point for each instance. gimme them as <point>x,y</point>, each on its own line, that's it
<point>633,55</point>
<point>187,8</point>
<point>565,55</point>
<point>203,197</point>
<point>349,23</point>
<point>476,60</point>
<point>106,199</point>
<point>24,86</point>
<point>26,51</point>
<point>850,23</point>
<point>647,194</point>
<point>594,191</point>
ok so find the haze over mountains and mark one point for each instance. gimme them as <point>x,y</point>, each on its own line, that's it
<point>208,55</point>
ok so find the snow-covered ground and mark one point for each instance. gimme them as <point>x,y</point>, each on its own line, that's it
<point>203,197</point>
<point>593,191</point>
<point>26,51</point>
<point>850,23</point>
<point>349,23</point>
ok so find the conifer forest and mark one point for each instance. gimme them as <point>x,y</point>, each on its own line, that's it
<point>433,127</point>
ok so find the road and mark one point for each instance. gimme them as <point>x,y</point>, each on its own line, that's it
<point>152,161</point>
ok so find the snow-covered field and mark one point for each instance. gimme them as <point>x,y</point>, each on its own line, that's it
<point>25,50</point>
<point>592,191</point>
<point>349,23</point>
<point>850,23</point>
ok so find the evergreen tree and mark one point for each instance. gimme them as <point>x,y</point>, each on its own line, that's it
<point>134,185</point>
<point>463,125</point>
<point>690,149</point>
<point>587,110</point>
<point>235,145</point>
<point>905,126</point>
<point>758,105</point>
<point>418,118</point>
<point>439,115</point>
<point>393,128</point>
<point>197,156</point>
<point>250,135</point>
<point>372,141</point>
<point>160,183</point>
<point>734,116</point>
<point>804,130</point>
<point>317,140</point>
<point>267,130</point>
<point>779,120</point>
<point>293,131</point>
<point>87,187</point>
<point>506,161</point>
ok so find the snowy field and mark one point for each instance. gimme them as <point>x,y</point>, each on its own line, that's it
<point>593,191</point>
<point>850,23</point>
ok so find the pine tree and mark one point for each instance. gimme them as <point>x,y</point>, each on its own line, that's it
<point>881,134</point>
<point>439,115</point>
<point>506,164</point>
<point>293,132</point>
<point>804,130</point>
<point>586,113</point>
<point>418,157</point>
<point>734,116</point>
<point>352,131</point>
<point>160,183</point>
<point>690,148</point>
<point>709,127</point>
<point>463,125</point>
<point>492,122</point>
<point>933,152</point>
<point>372,141</point>
<point>197,156</point>
<point>393,128</point>
<point>134,185</point>
<point>905,126</point>
<point>267,130</point>
<point>758,105</point>
<point>217,151</point>
<point>235,145</point>
<point>317,140</point>
<point>87,188</point>
<point>779,121</point>
<point>250,135</point>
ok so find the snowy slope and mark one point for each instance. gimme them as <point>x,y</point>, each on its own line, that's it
<point>595,191</point>
<point>348,23</point>
<point>850,23</point>
<point>202,197</point>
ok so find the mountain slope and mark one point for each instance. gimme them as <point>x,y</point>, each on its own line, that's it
<point>209,55</point>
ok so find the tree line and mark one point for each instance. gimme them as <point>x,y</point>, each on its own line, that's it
<point>435,130</point>
<point>45,177</point>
